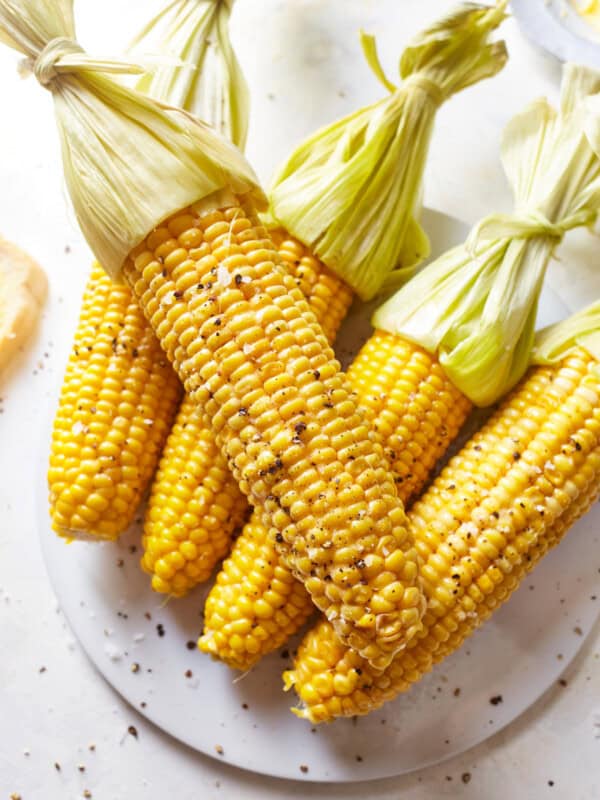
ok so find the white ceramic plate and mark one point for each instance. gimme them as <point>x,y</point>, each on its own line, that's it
<point>246,721</point>
<point>558,28</point>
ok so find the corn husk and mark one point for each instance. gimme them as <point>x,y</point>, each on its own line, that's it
<point>196,68</point>
<point>129,161</point>
<point>475,306</point>
<point>580,330</point>
<point>352,191</point>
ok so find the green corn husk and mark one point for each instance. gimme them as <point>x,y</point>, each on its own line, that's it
<point>582,329</point>
<point>475,306</point>
<point>129,161</point>
<point>198,69</point>
<point>352,191</point>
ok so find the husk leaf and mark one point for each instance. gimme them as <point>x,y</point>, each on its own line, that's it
<point>352,191</point>
<point>475,306</point>
<point>556,342</point>
<point>197,69</point>
<point>129,161</point>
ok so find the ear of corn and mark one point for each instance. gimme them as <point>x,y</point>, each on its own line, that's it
<point>492,513</point>
<point>117,403</point>
<point>416,412</point>
<point>195,505</point>
<point>256,603</point>
<point>183,31</point>
<point>475,306</point>
<point>252,356</point>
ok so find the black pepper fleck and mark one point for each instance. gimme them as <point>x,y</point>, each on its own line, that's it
<point>132,731</point>
<point>303,768</point>
<point>160,629</point>
<point>465,777</point>
<point>496,699</point>
<point>190,645</point>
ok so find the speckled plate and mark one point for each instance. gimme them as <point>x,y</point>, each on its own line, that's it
<point>145,649</point>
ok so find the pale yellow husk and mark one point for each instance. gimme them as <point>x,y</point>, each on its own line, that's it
<point>196,68</point>
<point>129,161</point>
<point>352,191</point>
<point>476,305</point>
<point>556,342</point>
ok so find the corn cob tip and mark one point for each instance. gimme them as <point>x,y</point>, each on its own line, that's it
<point>300,713</point>
<point>288,680</point>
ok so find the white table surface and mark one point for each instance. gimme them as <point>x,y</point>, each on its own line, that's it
<point>304,66</point>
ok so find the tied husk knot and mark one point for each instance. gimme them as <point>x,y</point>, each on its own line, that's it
<point>475,306</point>
<point>352,191</point>
<point>130,162</point>
<point>527,224</point>
<point>433,92</point>
<point>46,65</point>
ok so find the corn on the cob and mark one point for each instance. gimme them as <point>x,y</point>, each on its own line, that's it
<point>493,512</point>
<point>117,404</point>
<point>252,355</point>
<point>195,505</point>
<point>417,412</point>
<point>256,599</point>
<point>198,30</point>
<point>194,508</point>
